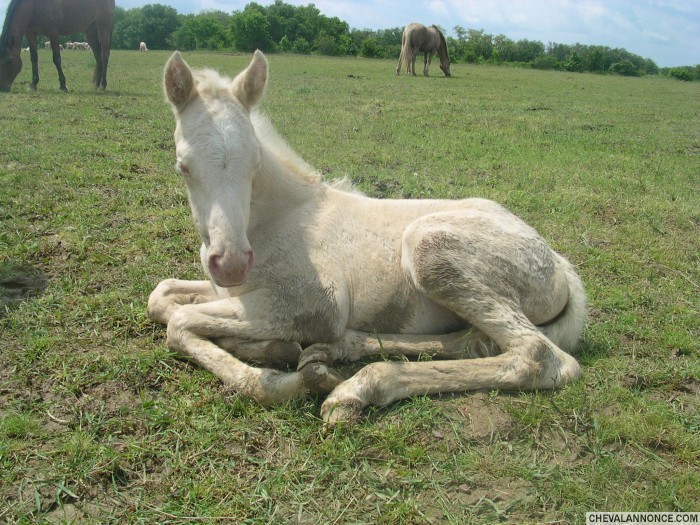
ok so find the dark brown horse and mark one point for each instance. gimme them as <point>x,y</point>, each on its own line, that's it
<point>417,38</point>
<point>54,18</point>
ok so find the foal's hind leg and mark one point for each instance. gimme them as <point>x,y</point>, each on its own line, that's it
<point>475,278</point>
<point>530,362</point>
<point>315,360</point>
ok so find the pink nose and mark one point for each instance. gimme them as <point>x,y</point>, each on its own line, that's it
<point>231,269</point>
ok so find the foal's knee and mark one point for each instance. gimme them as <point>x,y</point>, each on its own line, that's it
<point>157,301</point>
<point>177,327</point>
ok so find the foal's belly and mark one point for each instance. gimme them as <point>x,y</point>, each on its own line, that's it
<point>407,312</point>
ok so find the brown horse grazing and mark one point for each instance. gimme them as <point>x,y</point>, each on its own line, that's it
<point>417,38</point>
<point>54,18</point>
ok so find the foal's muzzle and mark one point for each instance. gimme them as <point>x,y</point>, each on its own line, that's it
<point>230,269</point>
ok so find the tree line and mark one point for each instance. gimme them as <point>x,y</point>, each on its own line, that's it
<point>281,27</point>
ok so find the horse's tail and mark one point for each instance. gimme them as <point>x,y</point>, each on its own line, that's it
<point>566,329</point>
<point>405,56</point>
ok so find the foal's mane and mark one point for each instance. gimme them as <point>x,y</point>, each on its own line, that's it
<point>213,85</point>
<point>268,135</point>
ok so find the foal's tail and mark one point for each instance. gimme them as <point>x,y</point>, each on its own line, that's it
<point>566,329</point>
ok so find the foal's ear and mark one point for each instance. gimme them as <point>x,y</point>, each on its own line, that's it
<point>249,85</point>
<point>178,82</point>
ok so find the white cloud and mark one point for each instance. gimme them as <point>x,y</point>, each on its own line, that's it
<point>655,36</point>
<point>438,7</point>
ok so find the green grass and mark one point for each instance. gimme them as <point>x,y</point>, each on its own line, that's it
<point>100,422</point>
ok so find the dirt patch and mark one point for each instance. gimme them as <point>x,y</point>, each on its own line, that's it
<point>18,283</point>
<point>497,497</point>
<point>485,421</point>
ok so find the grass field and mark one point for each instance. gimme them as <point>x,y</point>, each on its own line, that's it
<point>101,423</point>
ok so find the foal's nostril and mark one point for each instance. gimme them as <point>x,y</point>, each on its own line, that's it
<point>249,260</point>
<point>215,263</point>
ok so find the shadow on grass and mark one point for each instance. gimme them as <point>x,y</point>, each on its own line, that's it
<point>19,283</point>
<point>590,350</point>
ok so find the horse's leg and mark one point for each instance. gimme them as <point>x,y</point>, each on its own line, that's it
<point>34,56</point>
<point>104,33</point>
<point>427,59</point>
<point>463,344</point>
<point>96,48</point>
<point>277,354</point>
<point>56,51</point>
<point>171,294</point>
<point>472,267</point>
<point>315,360</point>
<point>414,55</point>
<point>398,68</point>
<point>193,328</point>
<point>354,345</point>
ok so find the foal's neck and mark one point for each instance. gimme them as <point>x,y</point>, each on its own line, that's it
<point>280,185</point>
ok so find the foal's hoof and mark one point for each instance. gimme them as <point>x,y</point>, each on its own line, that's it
<point>337,412</point>
<point>318,378</point>
<point>317,353</point>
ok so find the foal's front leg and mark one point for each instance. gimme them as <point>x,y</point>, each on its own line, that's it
<point>171,294</point>
<point>209,330</point>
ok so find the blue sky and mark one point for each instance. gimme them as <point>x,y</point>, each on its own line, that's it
<point>667,31</point>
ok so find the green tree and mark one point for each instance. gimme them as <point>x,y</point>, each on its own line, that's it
<point>651,68</point>
<point>546,62</point>
<point>479,46</point>
<point>184,37</point>
<point>284,45</point>
<point>301,46</point>
<point>370,48</point>
<point>504,48</point>
<point>527,50</point>
<point>385,43</point>
<point>558,51</point>
<point>595,59</point>
<point>626,68</point>
<point>326,44</point>
<point>203,31</point>
<point>129,28</point>
<point>159,23</point>
<point>283,21</point>
<point>250,29</point>
<point>346,45</point>
<point>574,62</point>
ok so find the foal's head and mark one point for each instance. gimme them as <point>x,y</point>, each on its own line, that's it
<point>217,155</point>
